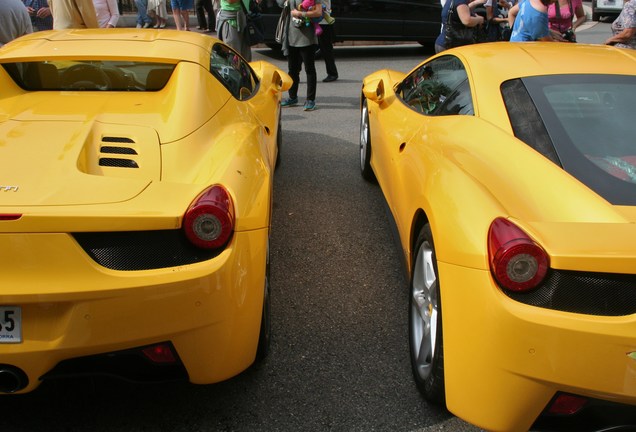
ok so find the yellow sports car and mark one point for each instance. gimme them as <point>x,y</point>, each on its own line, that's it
<point>135,206</point>
<point>510,172</point>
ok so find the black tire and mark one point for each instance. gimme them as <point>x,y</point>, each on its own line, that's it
<point>265,335</point>
<point>365,144</point>
<point>595,15</point>
<point>425,321</point>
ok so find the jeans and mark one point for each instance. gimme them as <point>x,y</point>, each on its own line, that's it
<point>142,14</point>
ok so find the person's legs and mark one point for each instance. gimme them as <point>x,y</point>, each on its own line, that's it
<point>176,13</point>
<point>142,14</point>
<point>294,64</point>
<point>207,5</point>
<point>308,58</point>
<point>326,49</point>
<point>199,9</point>
<point>185,16</point>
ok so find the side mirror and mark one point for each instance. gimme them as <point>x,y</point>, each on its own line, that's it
<point>281,81</point>
<point>374,90</point>
<point>271,77</point>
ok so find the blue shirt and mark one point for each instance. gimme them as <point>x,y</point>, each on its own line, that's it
<point>530,24</point>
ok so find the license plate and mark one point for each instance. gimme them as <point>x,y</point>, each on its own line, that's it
<point>10,324</point>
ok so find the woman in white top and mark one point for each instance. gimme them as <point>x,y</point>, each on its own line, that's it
<point>107,13</point>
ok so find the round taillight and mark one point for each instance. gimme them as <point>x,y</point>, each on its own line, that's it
<point>209,221</point>
<point>517,262</point>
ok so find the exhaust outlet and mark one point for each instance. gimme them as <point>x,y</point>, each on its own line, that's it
<point>12,379</point>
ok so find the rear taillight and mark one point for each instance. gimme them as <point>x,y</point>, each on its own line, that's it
<point>517,262</point>
<point>161,353</point>
<point>566,404</point>
<point>209,221</point>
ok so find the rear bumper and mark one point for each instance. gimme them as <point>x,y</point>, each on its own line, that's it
<point>504,361</point>
<point>71,307</point>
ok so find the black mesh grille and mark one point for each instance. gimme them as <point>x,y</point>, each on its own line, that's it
<point>118,163</point>
<point>603,294</point>
<point>118,150</point>
<point>117,139</point>
<point>142,250</point>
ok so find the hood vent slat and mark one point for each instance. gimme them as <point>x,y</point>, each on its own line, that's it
<point>117,150</point>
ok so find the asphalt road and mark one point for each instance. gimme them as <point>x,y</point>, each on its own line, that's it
<point>339,357</point>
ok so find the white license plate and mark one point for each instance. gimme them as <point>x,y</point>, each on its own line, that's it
<point>10,324</point>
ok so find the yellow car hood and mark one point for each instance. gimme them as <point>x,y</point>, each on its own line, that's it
<point>73,158</point>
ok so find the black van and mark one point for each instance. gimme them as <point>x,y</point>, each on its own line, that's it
<point>373,20</point>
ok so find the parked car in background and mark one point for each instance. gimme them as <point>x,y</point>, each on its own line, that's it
<point>135,206</point>
<point>513,190</point>
<point>606,8</point>
<point>373,20</point>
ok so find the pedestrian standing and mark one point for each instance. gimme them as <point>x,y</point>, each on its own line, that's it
<point>202,7</point>
<point>299,45</point>
<point>107,13</point>
<point>158,12</point>
<point>14,20</point>
<point>529,21</point>
<point>40,14</point>
<point>231,27</point>
<point>624,27</point>
<point>326,41</point>
<point>73,14</point>
<point>181,13</point>
<point>143,20</point>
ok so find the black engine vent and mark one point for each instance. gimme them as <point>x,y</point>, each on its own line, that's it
<point>118,150</point>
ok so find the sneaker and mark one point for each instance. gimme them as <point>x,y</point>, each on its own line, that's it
<point>138,25</point>
<point>309,105</point>
<point>289,102</point>
<point>147,25</point>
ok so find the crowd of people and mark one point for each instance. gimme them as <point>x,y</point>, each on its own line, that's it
<point>525,21</point>
<point>68,14</point>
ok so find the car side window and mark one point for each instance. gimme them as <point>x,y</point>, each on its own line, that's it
<point>427,89</point>
<point>232,71</point>
<point>460,102</point>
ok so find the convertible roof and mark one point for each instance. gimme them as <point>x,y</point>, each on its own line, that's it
<point>168,46</point>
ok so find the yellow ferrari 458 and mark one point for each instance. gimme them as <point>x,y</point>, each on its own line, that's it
<point>135,206</point>
<point>510,172</point>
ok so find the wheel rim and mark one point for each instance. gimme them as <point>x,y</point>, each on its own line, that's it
<point>424,311</point>
<point>364,134</point>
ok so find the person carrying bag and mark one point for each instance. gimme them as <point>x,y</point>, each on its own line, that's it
<point>255,25</point>
<point>461,27</point>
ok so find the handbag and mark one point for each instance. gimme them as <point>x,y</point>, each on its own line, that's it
<point>283,22</point>
<point>255,25</point>
<point>455,32</point>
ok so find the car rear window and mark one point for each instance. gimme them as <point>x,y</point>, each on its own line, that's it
<point>590,121</point>
<point>90,75</point>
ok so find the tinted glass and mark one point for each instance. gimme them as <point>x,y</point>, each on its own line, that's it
<point>428,87</point>
<point>234,72</point>
<point>590,122</point>
<point>90,75</point>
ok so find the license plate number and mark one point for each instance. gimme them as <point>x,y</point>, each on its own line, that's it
<point>10,324</point>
